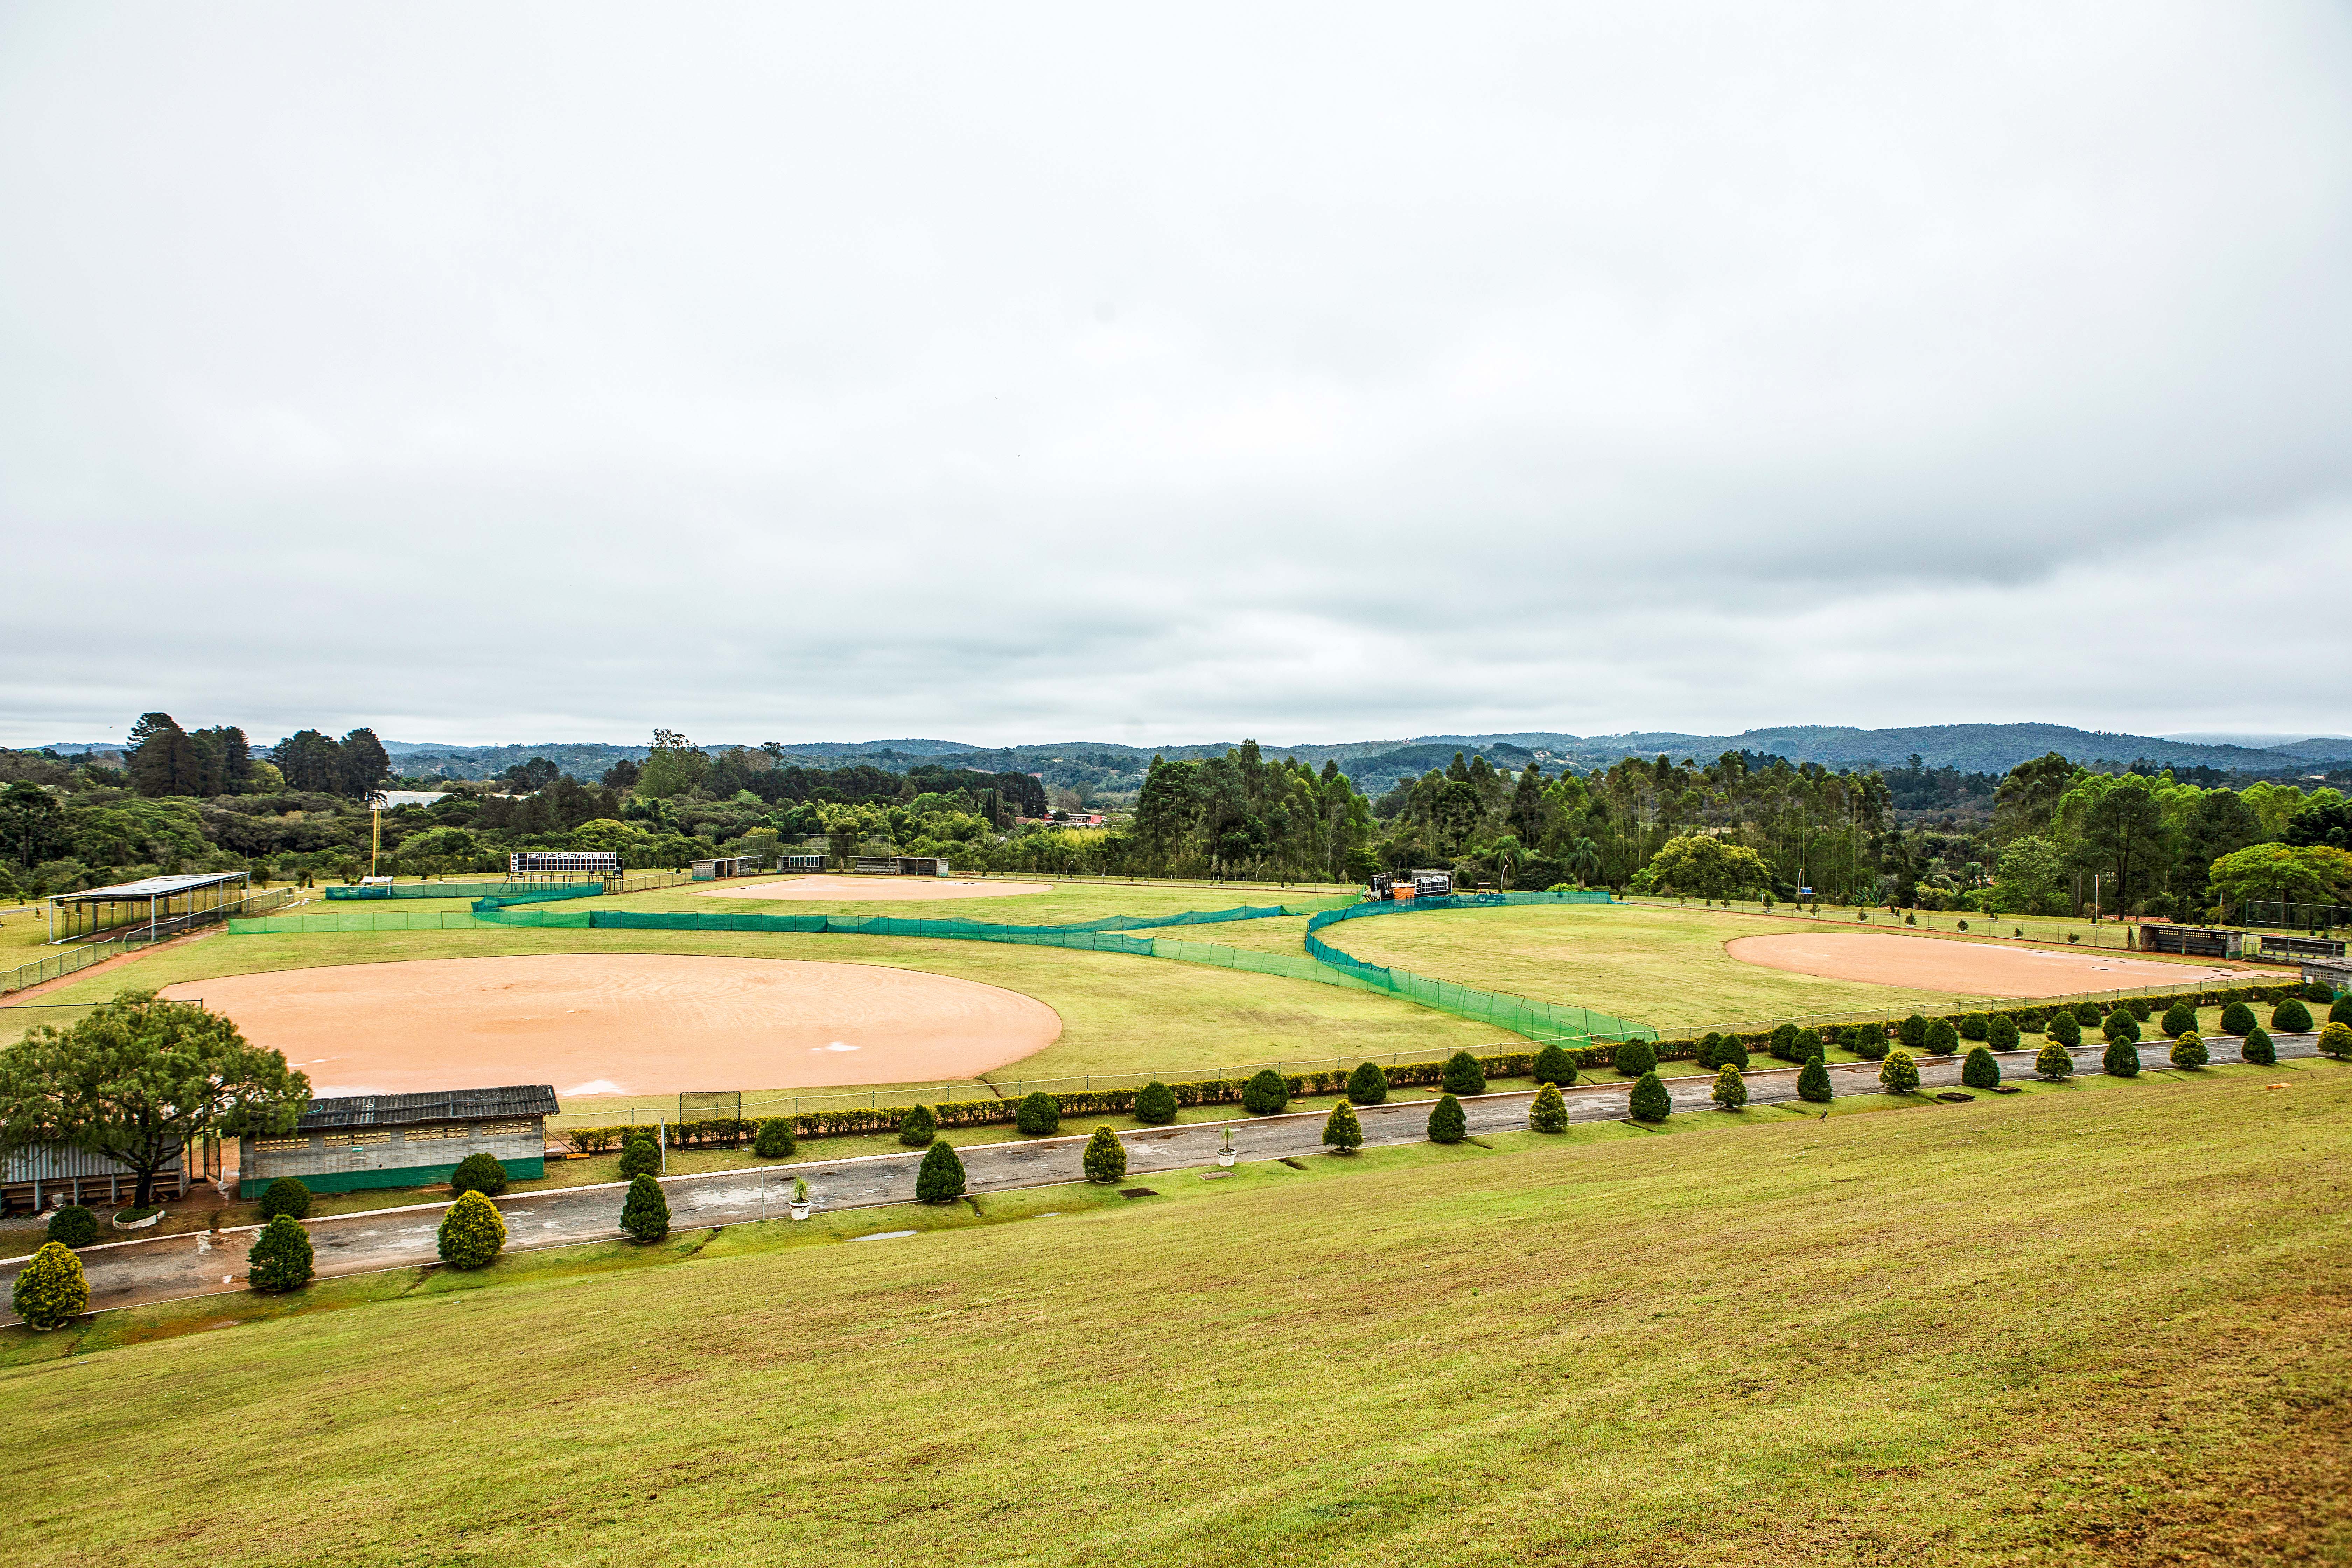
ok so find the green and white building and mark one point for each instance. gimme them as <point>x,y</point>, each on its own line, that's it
<point>360,1141</point>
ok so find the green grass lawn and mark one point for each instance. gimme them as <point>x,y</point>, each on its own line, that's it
<point>2096,1324</point>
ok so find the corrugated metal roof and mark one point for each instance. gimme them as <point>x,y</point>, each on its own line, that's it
<point>149,887</point>
<point>413,1110</point>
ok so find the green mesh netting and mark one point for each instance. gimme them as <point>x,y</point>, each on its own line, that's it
<point>500,890</point>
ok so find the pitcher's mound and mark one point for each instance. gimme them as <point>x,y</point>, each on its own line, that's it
<point>873,889</point>
<point>627,1023</point>
<point>1967,968</point>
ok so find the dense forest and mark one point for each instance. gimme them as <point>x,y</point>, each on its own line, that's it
<point>2048,836</point>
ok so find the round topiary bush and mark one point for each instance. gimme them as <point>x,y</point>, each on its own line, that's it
<point>644,1212</point>
<point>1981,1070</point>
<point>287,1196</point>
<point>1266,1093</point>
<point>2256,1048</point>
<point>1708,1043</point>
<point>2053,1063</point>
<point>1808,1046</point>
<point>2336,1040</point>
<point>2237,1018</point>
<point>1155,1103</point>
<point>2121,1026</point>
<point>2087,1013</point>
<point>2341,1013</point>
<point>1463,1074</point>
<point>51,1289</point>
<point>1039,1114</point>
<point>917,1127</point>
<point>2178,1019</point>
<point>72,1226</point>
<point>2318,991</point>
<point>1631,1058</point>
<point>473,1232</point>
<point>1650,1101</point>
<point>2291,1018</point>
<point>1106,1157</point>
<point>2000,1032</point>
<point>1730,1090</point>
<point>1942,1038</point>
<point>1867,1041</point>
<point>2064,1028</point>
<point>1783,1043</point>
<point>774,1140</point>
<point>2141,1007</point>
<point>1548,1112</point>
<point>1813,1082</point>
<point>1899,1074</point>
<point>1973,1025</point>
<point>940,1181</point>
<point>280,1257</point>
<point>478,1173</point>
<point>2189,1051</point>
<point>1913,1033</point>
<point>1552,1065</point>
<point>639,1157</point>
<point>2121,1058</point>
<point>1342,1133</point>
<point>1733,1052</point>
<point>1446,1122</point>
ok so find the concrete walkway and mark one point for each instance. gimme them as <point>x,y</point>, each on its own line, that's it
<point>133,1273</point>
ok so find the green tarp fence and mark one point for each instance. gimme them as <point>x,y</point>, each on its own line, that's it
<point>1521,1014</point>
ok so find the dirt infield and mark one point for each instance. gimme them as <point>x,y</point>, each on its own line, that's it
<point>627,1023</point>
<point>875,889</point>
<point>1965,968</point>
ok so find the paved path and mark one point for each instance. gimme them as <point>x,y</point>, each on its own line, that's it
<point>132,1273</point>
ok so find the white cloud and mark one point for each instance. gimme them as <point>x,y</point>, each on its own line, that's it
<point>1308,372</point>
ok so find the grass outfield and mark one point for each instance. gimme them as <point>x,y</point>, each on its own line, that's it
<point>2096,1325</point>
<point>1119,1014</point>
<point>1664,967</point>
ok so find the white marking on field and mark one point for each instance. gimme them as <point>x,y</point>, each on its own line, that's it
<point>885,1236</point>
<point>837,1045</point>
<point>601,1086</point>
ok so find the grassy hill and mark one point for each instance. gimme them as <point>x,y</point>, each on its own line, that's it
<point>2100,1324</point>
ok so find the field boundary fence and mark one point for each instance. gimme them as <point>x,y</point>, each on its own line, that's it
<point>2277,914</point>
<point>83,955</point>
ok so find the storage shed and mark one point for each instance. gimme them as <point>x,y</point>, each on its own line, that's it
<point>401,1139</point>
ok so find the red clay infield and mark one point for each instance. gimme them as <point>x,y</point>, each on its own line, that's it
<point>627,1023</point>
<point>1967,968</point>
<point>873,889</point>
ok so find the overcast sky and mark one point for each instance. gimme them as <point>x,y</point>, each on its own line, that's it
<point>1022,372</point>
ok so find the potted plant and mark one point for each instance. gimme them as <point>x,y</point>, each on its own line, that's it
<point>800,1197</point>
<point>1226,1152</point>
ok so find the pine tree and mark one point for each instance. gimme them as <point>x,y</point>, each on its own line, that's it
<point>51,1288</point>
<point>1155,1104</point>
<point>1899,1073</point>
<point>2180,1019</point>
<point>2053,1063</point>
<point>2064,1028</point>
<point>1631,1058</point>
<point>1784,1042</point>
<point>2340,1012</point>
<point>1549,1111</point>
<point>1732,1051</point>
<point>1708,1043</point>
<point>644,1212</point>
<point>2122,1059</point>
<point>1730,1090</point>
<point>286,1196</point>
<point>1813,1083</point>
<point>1973,1025</point>
<point>917,1127</point>
<point>2291,1018</point>
<point>280,1257</point>
<point>1650,1101</point>
<point>479,1173</point>
<point>1342,1132</point>
<point>2256,1048</point>
<point>1463,1074</point>
<point>2189,1051</point>
<point>1942,1038</point>
<point>2000,1032</point>
<point>1446,1122</point>
<point>72,1226</point>
<point>2336,1040</point>
<point>2120,1027</point>
<point>2237,1018</point>
<point>1552,1065</point>
<point>1039,1114</point>
<point>1981,1070</point>
<point>473,1232</point>
<point>1913,1033</point>
<point>639,1157</point>
<point>941,1179</point>
<point>1106,1157</point>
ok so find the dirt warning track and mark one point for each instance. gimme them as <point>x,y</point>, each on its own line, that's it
<point>1967,968</point>
<point>627,1023</point>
